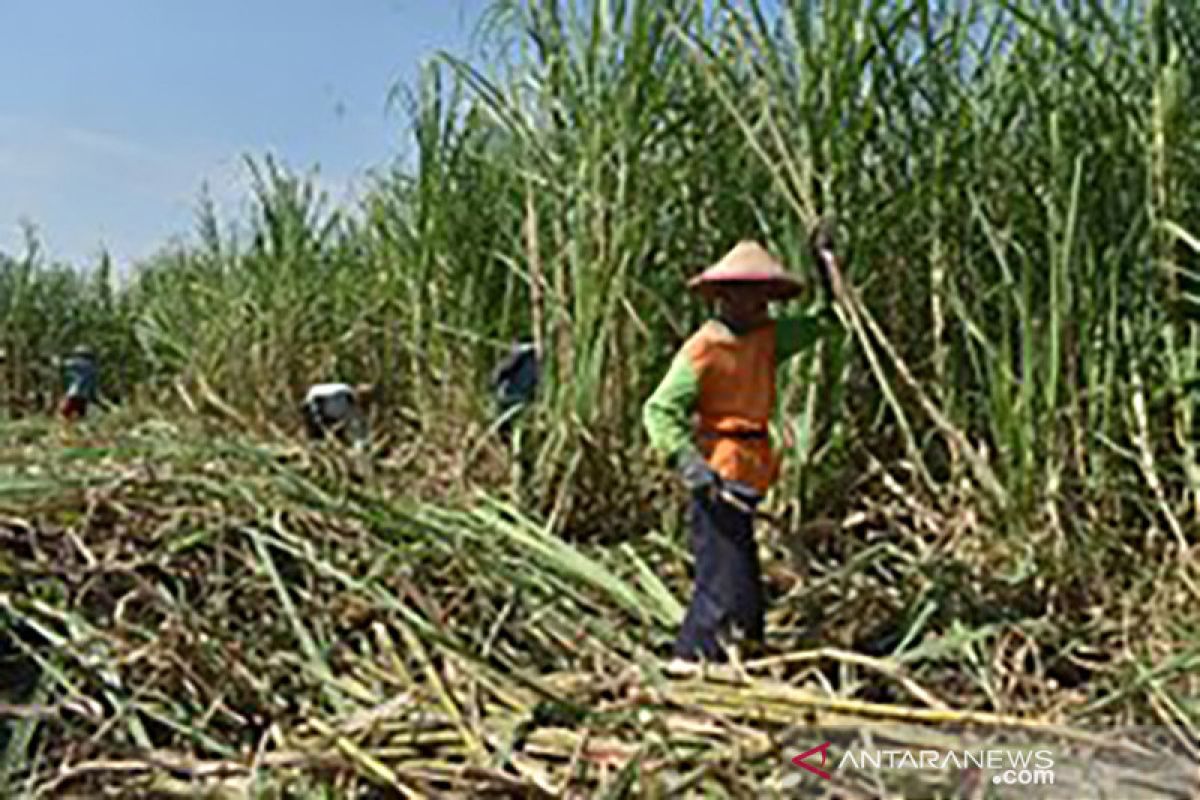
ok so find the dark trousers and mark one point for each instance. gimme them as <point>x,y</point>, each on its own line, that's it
<point>728,589</point>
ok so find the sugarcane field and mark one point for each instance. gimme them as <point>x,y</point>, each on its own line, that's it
<point>727,399</point>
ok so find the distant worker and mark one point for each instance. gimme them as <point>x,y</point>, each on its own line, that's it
<point>514,383</point>
<point>337,408</point>
<point>81,374</point>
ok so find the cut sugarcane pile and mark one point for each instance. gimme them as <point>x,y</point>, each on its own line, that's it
<point>187,614</point>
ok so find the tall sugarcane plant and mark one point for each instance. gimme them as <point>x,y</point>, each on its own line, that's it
<point>999,431</point>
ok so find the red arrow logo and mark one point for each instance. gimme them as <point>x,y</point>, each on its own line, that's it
<point>799,760</point>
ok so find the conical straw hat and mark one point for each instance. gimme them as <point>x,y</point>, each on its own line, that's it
<point>748,262</point>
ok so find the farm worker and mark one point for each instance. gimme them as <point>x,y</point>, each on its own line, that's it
<point>724,376</point>
<point>337,408</point>
<point>514,382</point>
<point>81,374</point>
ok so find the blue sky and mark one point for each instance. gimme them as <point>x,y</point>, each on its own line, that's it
<point>113,113</point>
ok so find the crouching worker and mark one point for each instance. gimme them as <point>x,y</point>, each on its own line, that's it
<point>81,375</point>
<point>724,377</point>
<point>338,409</point>
<point>514,382</point>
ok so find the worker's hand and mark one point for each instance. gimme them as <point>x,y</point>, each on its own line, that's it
<point>824,253</point>
<point>697,475</point>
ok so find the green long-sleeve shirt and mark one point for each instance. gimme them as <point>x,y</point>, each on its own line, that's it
<point>666,415</point>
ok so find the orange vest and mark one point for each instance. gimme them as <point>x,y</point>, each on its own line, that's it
<point>736,399</point>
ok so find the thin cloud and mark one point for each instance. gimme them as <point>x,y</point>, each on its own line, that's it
<point>90,190</point>
<point>111,145</point>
